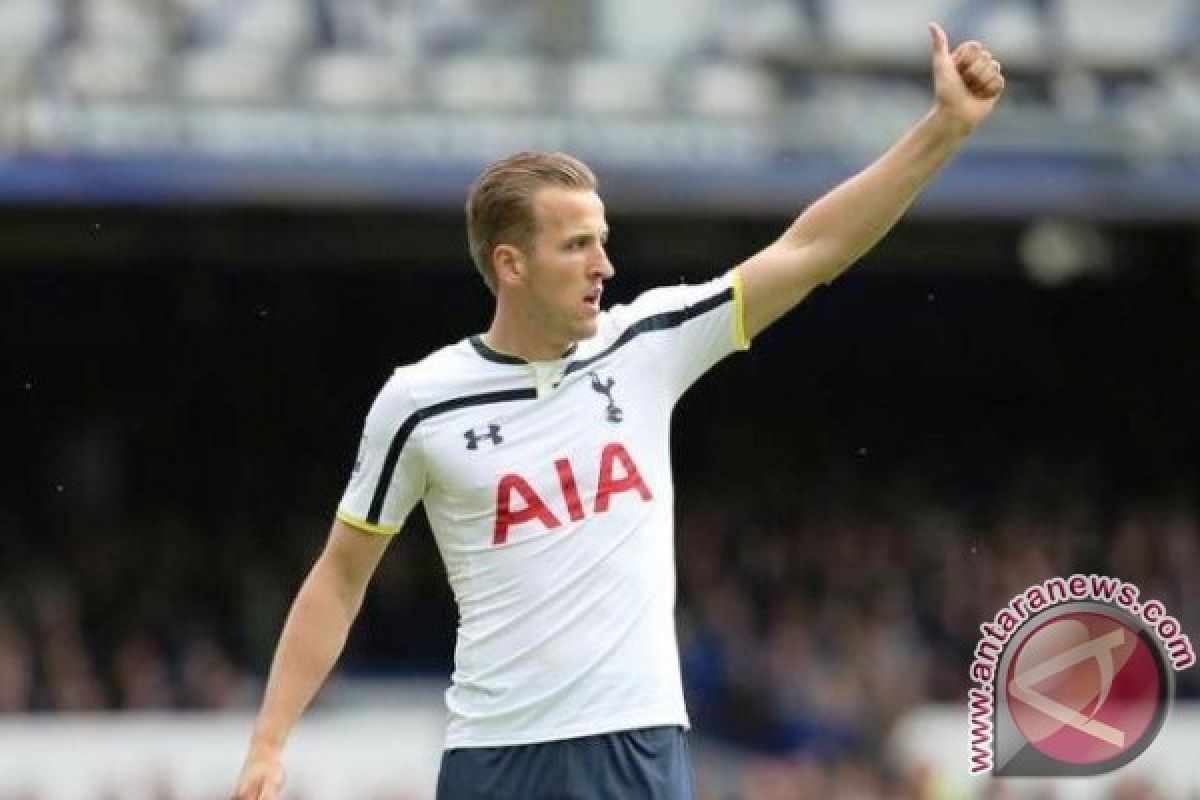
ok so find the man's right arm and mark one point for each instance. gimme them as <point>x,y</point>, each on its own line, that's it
<point>312,640</point>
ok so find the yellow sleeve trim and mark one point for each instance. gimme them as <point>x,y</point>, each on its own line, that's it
<point>739,313</point>
<point>363,525</point>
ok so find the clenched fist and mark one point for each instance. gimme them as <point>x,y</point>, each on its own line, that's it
<point>261,778</point>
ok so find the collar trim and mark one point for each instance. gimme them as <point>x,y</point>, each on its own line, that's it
<point>493,355</point>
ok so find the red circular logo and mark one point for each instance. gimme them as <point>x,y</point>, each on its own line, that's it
<point>1085,688</point>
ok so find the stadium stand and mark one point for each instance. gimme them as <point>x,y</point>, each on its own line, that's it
<point>685,58</point>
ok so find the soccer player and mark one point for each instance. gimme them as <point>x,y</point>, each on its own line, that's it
<point>540,449</point>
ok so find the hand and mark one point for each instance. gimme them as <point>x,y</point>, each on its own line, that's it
<point>261,778</point>
<point>967,83</point>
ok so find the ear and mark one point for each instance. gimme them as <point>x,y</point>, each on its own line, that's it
<point>509,264</point>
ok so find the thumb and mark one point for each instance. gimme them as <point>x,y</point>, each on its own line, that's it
<point>941,45</point>
<point>268,789</point>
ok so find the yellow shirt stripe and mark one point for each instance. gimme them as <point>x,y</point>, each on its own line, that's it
<point>363,525</point>
<point>739,313</point>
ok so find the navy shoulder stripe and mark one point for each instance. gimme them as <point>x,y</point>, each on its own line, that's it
<point>657,322</point>
<point>409,425</point>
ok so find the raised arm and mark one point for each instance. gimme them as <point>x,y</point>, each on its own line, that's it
<point>312,639</point>
<point>844,224</point>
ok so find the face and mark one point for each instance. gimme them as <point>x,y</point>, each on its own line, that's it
<point>561,276</point>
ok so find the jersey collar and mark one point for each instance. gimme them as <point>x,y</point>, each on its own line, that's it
<point>497,357</point>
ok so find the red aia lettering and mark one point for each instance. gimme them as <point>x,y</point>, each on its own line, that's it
<point>566,480</point>
<point>609,485</point>
<point>534,507</point>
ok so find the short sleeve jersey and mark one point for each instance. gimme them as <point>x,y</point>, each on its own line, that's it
<point>549,492</point>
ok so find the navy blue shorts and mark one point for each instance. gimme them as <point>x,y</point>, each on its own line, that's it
<point>644,764</point>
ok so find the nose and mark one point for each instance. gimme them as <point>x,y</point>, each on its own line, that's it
<point>601,267</point>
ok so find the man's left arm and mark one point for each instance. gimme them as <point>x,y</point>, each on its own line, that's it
<point>848,221</point>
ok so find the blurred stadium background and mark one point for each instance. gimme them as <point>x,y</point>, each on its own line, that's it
<point>225,221</point>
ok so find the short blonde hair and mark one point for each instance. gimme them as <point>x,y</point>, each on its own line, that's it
<point>500,202</point>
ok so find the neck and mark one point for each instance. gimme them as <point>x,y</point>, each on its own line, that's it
<point>524,338</point>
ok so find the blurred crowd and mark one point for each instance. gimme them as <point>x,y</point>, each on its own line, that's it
<point>812,615</point>
<point>185,438</point>
<point>816,631</point>
<point>808,625</point>
<point>51,659</point>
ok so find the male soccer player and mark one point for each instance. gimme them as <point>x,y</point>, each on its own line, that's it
<point>540,450</point>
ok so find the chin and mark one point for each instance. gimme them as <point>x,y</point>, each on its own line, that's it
<point>586,329</point>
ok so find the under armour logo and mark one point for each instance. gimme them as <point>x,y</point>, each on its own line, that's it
<point>473,438</point>
<point>614,414</point>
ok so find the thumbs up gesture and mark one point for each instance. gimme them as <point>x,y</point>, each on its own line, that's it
<point>966,82</point>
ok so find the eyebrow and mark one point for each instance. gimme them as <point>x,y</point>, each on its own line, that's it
<point>585,236</point>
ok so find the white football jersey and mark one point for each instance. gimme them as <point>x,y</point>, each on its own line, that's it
<point>548,488</point>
